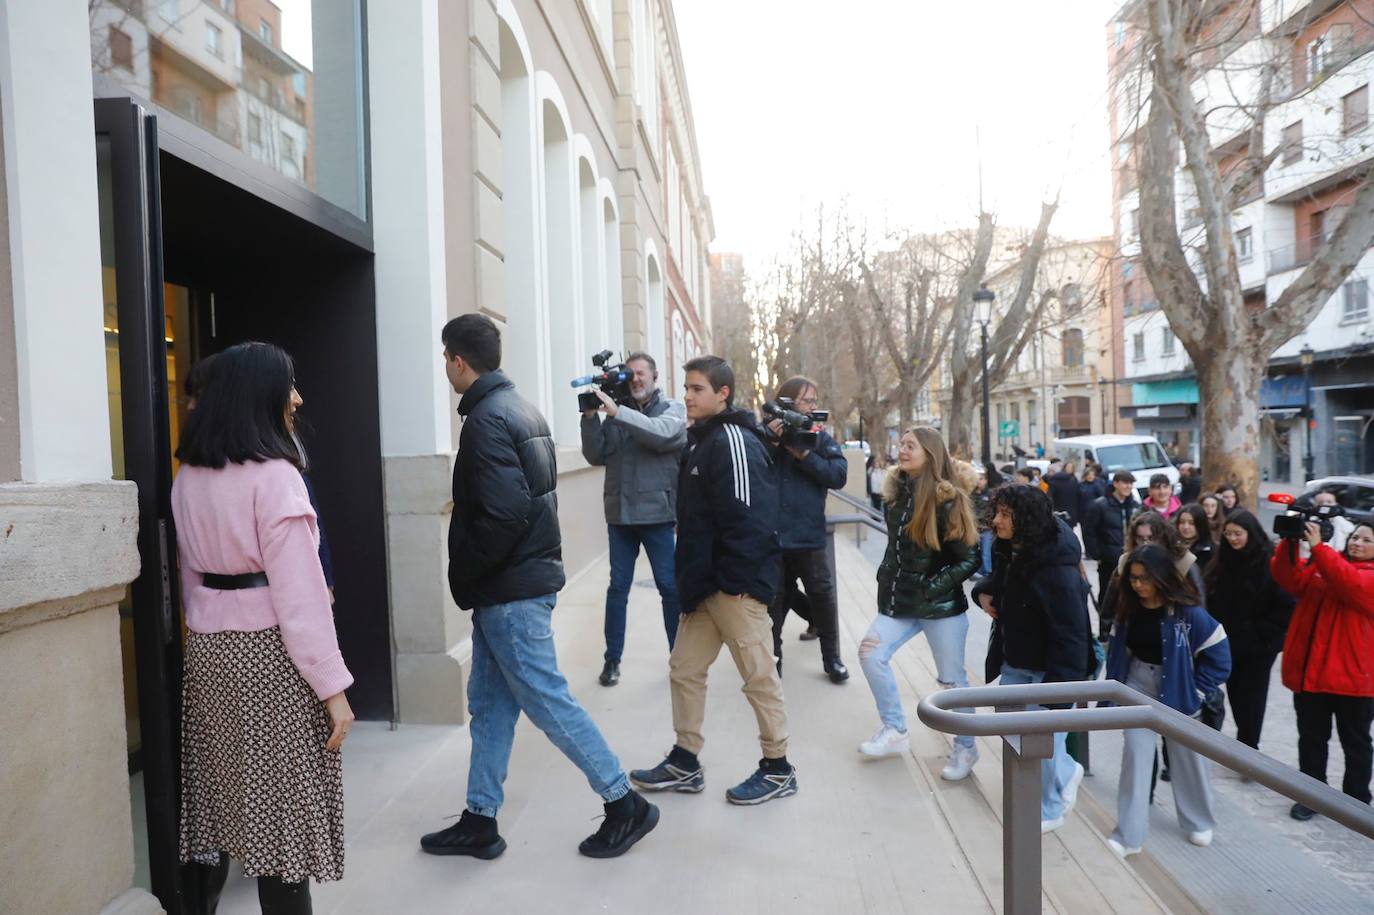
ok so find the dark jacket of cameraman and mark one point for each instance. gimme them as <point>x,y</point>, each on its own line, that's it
<point>727,512</point>
<point>639,447</point>
<point>503,539</point>
<point>804,484</point>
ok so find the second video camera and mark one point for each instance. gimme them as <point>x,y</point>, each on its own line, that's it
<point>612,379</point>
<point>797,428</point>
<point>1293,526</point>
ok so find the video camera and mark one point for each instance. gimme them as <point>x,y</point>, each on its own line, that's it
<point>1294,526</point>
<point>797,428</point>
<point>613,380</point>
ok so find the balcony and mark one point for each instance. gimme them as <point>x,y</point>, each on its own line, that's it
<point>1291,257</point>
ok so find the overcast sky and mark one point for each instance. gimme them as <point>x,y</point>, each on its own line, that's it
<point>882,101</point>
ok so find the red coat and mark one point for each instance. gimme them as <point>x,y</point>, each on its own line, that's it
<point>1330,642</point>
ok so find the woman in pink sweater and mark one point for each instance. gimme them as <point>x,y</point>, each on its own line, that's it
<point>264,712</point>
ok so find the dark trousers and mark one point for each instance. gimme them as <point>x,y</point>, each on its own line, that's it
<point>1248,689</point>
<point>625,540</point>
<point>275,896</point>
<point>1106,568</point>
<point>1353,715</point>
<point>818,606</point>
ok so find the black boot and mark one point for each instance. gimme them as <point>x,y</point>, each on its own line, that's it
<point>212,878</point>
<point>473,835</point>
<point>836,670</point>
<point>627,821</point>
<point>277,897</point>
<point>610,673</point>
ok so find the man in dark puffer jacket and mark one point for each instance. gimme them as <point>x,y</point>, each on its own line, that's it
<point>506,564</point>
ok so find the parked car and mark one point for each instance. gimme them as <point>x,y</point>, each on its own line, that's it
<point>1140,454</point>
<point>1354,494</point>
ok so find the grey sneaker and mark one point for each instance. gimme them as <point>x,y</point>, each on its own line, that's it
<point>667,777</point>
<point>762,786</point>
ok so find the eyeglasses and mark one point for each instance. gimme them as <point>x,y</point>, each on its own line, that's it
<point>805,401</point>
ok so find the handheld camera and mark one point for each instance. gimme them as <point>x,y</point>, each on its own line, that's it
<point>612,378</point>
<point>798,429</point>
<point>1293,526</point>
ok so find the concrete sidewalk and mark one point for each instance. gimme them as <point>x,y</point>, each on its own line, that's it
<point>860,836</point>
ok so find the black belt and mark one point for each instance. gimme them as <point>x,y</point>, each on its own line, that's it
<point>234,582</point>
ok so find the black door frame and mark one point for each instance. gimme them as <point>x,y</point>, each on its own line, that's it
<point>137,230</point>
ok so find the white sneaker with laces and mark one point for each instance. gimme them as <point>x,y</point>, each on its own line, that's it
<point>960,763</point>
<point>887,742</point>
<point>1121,850</point>
<point>1070,794</point>
<point>1202,838</point>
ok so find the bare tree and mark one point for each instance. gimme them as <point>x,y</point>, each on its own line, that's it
<point>1230,342</point>
<point>1015,327</point>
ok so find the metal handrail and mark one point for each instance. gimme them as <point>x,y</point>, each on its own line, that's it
<point>855,502</point>
<point>1132,709</point>
<point>1027,739</point>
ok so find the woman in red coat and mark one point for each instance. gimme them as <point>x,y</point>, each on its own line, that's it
<point>1327,654</point>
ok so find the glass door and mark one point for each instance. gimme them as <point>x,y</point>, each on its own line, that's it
<point>140,336</point>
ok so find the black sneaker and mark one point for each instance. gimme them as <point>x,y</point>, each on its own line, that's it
<point>1302,812</point>
<point>619,831</point>
<point>837,672</point>
<point>610,673</point>
<point>810,635</point>
<point>473,835</point>
<point>764,785</point>
<point>669,777</point>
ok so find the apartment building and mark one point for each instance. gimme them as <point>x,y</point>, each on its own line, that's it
<point>1317,127</point>
<point>340,178</point>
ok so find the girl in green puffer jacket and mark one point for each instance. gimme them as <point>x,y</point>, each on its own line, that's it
<point>931,552</point>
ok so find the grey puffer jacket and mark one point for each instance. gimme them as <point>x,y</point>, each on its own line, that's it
<point>640,449</point>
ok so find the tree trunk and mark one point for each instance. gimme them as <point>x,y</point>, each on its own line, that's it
<point>960,435</point>
<point>1226,383</point>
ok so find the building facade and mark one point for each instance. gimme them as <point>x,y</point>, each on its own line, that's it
<point>1317,131</point>
<point>339,178</point>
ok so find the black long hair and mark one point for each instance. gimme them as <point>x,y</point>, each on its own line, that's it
<point>1240,574</point>
<point>1163,574</point>
<point>1200,523</point>
<point>241,409</point>
<point>1164,533</point>
<point>1032,513</point>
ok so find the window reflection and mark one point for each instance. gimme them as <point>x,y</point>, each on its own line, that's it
<point>245,71</point>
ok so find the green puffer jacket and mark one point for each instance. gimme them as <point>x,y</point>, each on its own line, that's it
<point>914,581</point>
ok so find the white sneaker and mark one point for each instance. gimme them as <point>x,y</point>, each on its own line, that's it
<point>1070,794</point>
<point>887,742</point>
<point>960,763</point>
<point>1051,825</point>
<point>1121,850</point>
<point>1202,838</point>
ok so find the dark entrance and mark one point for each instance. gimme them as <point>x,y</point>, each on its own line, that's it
<point>193,264</point>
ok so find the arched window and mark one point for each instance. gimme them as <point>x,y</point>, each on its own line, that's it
<point>1075,416</point>
<point>526,316</point>
<point>679,349</point>
<point>615,298</point>
<point>655,325</point>
<point>560,250</point>
<point>596,330</point>
<point>1072,340</point>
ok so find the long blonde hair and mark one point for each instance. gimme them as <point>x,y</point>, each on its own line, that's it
<point>938,473</point>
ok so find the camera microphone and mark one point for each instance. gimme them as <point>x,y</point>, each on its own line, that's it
<point>584,381</point>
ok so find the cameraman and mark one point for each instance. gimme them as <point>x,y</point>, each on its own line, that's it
<point>1339,526</point>
<point>639,444</point>
<point>804,477</point>
<point>1326,654</point>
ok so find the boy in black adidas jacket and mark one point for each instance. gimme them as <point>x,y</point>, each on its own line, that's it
<point>728,566</point>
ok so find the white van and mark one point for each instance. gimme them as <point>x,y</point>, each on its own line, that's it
<point>1140,454</point>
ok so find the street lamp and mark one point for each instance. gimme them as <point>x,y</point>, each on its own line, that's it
<point>1305,357</point>
<point>982,303</point>
<point>1102,400</point>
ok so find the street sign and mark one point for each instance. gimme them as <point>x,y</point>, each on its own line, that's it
<point>1009,428</point>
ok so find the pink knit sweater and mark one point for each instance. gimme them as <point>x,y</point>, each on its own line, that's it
<point>256,517</point>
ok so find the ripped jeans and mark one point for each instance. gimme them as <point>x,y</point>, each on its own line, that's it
<point>887,634</point>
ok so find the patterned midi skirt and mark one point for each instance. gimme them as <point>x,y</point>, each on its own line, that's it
<point>256,780</point>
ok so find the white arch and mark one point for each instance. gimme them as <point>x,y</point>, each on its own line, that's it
<point>655,321</point>
<point>561,231</point>
<point>614,282</point>
<point>522,208</point>
<point>591,250</point>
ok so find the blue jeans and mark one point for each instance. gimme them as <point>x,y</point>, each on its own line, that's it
<point>658,544</point>
<point>1056,771</point>
<point>886,634</point>
<point>985,540</point>
<point>513,670</point>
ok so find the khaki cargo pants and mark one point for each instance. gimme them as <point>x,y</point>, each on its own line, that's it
<point>742,624</point>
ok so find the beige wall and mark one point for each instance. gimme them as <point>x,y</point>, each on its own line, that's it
<point>67,552</point>
<point>9,366</point>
